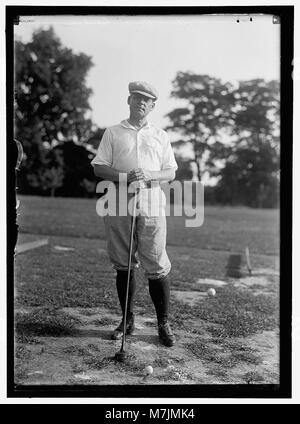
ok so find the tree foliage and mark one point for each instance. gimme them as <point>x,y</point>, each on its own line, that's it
<point>184,171</point>
<point>250,177</point>
<point>247,115</point>
<point>207,113</point>
<point>256,111</point>
<point>48,176</point>
<point>79,176</point>
<point>52,96</point>
<point>52,101</point>
<point>251,172</point>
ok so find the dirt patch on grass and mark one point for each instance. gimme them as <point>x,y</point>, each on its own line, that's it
<point>190,297</point>
<point>87,356</point>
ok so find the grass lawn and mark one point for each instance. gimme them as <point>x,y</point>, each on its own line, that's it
<point>224,228</point>
<point>48,280</point>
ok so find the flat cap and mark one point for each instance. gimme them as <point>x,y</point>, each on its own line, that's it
<point>144,88</point>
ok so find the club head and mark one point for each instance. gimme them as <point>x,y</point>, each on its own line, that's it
<point>121,356</point>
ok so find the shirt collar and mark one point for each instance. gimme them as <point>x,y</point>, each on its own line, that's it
<point>126,124</point>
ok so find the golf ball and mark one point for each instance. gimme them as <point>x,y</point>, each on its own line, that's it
<point>211,292</point>
<point>148,370</point>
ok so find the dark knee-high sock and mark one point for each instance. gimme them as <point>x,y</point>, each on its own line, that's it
<point>160,294</point>
<point>121,282</point>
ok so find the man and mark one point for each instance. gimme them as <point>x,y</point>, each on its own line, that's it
<point>135,151</point>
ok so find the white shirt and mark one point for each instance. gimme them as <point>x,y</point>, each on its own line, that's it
<point>124,148</point>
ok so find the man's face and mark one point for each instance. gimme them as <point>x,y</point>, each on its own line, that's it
<point>140,106</point>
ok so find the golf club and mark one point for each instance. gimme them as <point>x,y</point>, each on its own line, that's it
<point>121,355</point>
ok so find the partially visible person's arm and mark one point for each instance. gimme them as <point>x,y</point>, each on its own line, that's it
<point>140,174</point>
<point>111,174</point>
<point>107,173</point>
<point>163,175</point>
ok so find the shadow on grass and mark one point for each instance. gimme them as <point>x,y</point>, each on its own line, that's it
<point>93,359</point>
<point>98,333</point>
<point>45,322</point>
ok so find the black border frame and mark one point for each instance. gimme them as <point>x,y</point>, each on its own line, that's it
<point>284,388</point>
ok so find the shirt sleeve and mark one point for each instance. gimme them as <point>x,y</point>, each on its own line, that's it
<point>104,152</point>
<point>168,155</point>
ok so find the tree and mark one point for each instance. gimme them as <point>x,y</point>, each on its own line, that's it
<point>206,115</point>
<point>247,164</point>
<point>49,175</point>
<point>250,177</point>
<point>256,113</point>
<point>52,99</point>
<point>184,171</point>
<point>95,137</point>
<point>251,172</point>
<point>79,178</point>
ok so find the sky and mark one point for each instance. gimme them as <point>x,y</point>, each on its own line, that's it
<point>154,49</point>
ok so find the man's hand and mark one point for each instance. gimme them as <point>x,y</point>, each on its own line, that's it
<point>139,174</point>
